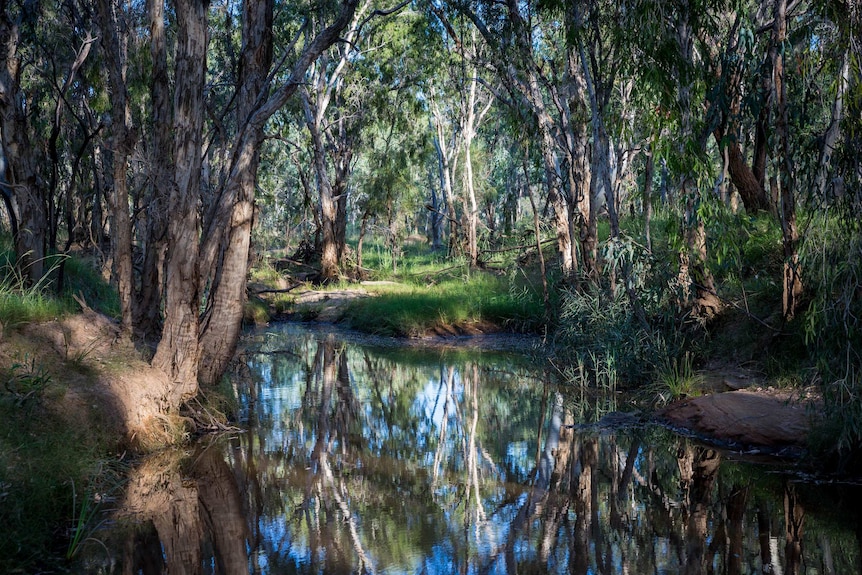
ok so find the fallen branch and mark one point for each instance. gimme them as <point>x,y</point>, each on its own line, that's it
<point>285,290</point>
<point>514,248</point>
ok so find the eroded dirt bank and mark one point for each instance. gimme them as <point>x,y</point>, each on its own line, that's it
<point>95,378</point>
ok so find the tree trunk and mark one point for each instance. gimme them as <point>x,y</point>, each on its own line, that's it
<point>363,229</point>
<point>556,198</point>
<point>761,125</point>
<point>148,308</point>
<point>753,194</point>
<point>220,328</point>
<point>471,209</point>
<point>178,351</point>
<point>327,206</point>
<point>434,214</point>
<point>233,207</point>
<point>446,159</point>
<point>122,144</point>
<point>343,167</point>
<point>22,160</point>
<point>546,300</point>
<point>649,172</point>
<point>750,185</point>
<point>694,274</point>
<point>471,121</point>
<point>792,280</point>
<point>830,138</point>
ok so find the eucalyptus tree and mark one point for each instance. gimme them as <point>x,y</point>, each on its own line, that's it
<point>115,48</point>
<point>458,107</point>
<point>339,102</point>
<point>389,184</point>
<point>792,280</point>
<point>45,124</point>
<point>742,87</point>
<point>447,143</point>
<point>332,139</point>
<point>207,250</point>
<point>475,105</point>
<point>516,36</point>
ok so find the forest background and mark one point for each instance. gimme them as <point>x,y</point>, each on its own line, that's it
<point>640,182</point>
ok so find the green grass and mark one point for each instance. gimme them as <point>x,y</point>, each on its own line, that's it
<point>410,309</point>
<point>21,303</point>
<point>50,475</point>
<point>416,259</point>
<point>676,378</point>
<point>83,280</point>
<point>18,307</point>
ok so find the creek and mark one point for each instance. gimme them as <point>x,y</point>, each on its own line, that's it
<point>364,456</point>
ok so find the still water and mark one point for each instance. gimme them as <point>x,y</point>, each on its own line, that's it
<point>357,457</point>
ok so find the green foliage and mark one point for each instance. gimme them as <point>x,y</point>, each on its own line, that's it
<point>19,302</point>
<point>26,381</point>
<point>600,336</point>
<point>602,342</point>
<point>18,307</point>
<point>82,279</point>
<point>676,378</point>
<point>833,329</point>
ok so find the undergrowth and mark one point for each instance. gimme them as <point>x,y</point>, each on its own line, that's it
<point>22,303</point>
<point>54,477</point>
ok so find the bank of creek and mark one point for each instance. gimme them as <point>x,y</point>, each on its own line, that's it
<point>358,455</point>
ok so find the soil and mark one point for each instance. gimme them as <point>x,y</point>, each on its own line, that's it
<point>96,378</point>
<point>739,410</point>
<point>326,306</point>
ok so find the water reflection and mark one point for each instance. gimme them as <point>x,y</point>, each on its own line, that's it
<point>361,459</point>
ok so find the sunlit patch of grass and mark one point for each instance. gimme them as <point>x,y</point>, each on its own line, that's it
<point>21,303</point>
<point>18,307</point>
<point>410,309</point>
<point>264,272</point>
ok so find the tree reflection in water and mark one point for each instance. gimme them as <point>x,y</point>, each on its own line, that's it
<point>384,460</point>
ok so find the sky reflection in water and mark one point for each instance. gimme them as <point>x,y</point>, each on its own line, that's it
<point>403,461</point>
